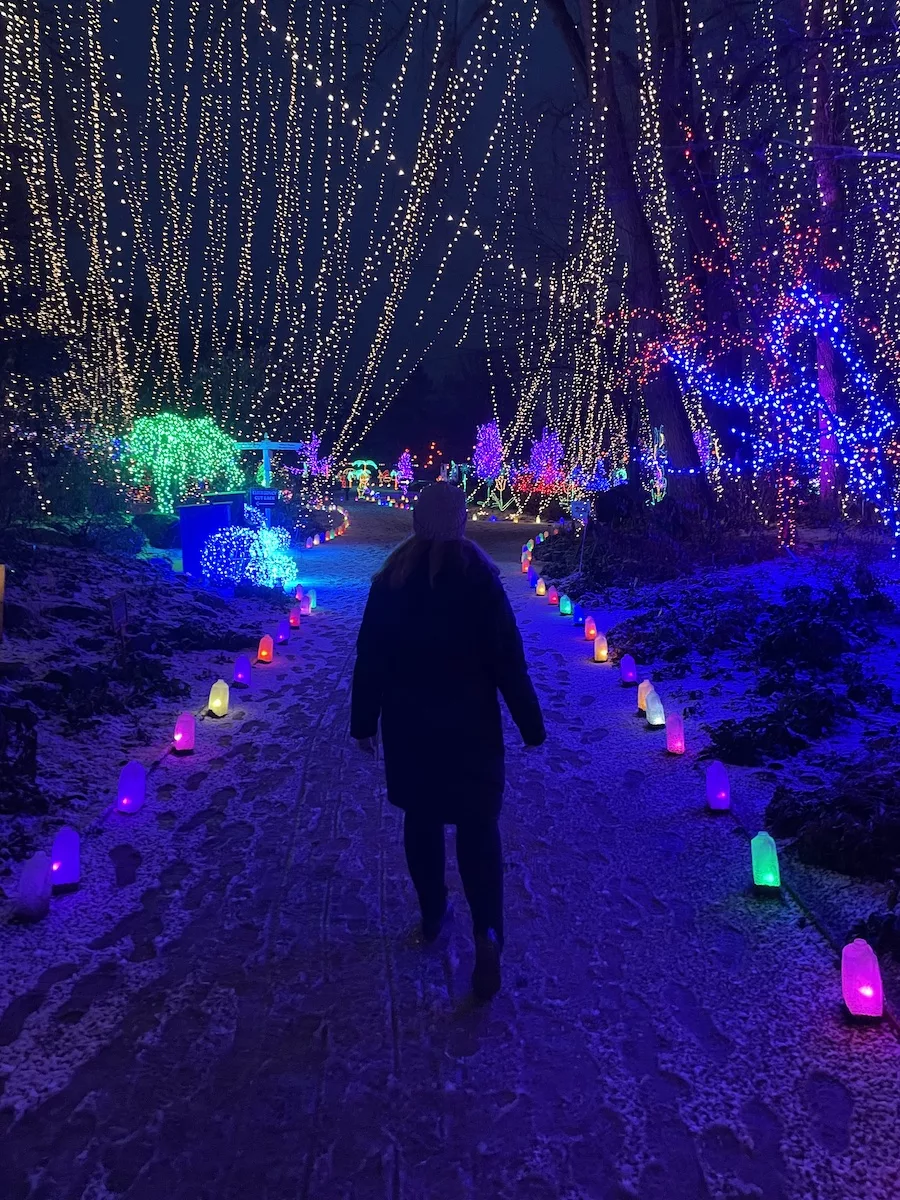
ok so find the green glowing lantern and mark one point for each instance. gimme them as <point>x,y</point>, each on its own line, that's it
<point>764,859</point>
<point>565,605</point>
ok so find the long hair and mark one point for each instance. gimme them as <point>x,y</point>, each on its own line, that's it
<point>458,556</point>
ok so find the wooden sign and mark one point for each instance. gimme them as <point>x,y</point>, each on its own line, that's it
<point>2,595</point>
<point>118,611</point>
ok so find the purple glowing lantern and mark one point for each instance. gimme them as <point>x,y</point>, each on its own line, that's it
<point>305,606</point>
<point>628,670</point>
<point>242,671</point>
<point>675,733</point>
<point>718,788</point>
<point>283,632</point>
<point>132,790</point>
<point>65,858</point>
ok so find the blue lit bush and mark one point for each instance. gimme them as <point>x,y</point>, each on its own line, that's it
<point>256,556</point>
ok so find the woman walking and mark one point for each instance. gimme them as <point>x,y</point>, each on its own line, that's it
<point>438,641</point>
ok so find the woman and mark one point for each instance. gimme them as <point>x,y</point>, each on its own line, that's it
<point>438,641</point>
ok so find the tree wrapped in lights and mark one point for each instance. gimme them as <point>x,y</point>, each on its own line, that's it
<point>545,464</point>
<point>488,455</point>
<point>256,556</point>
<point>174,455</point>
<point>404,467</point>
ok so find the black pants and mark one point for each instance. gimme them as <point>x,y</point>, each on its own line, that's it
<point>480,860</point>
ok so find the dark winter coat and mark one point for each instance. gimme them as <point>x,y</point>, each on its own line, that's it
<point>430,662</point>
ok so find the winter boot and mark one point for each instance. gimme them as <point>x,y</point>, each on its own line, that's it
<point>486,976</point>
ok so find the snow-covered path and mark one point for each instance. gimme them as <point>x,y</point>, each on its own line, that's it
<point>247,1012</point>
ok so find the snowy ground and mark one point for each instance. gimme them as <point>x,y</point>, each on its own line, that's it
<point>234,1003</point>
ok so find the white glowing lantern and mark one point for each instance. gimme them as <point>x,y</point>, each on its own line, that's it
<point>601,648</point>
<point>65,858</point>
<point>718,789</point>
<point>185,733</point>
<point>675,733</point>
<point>861,980</point>
<point>317,541</point>
<point>218,698</point>
<point>35,888</point>
<point>132,790</point>
<point>644,690</point>
<point>656,714</point>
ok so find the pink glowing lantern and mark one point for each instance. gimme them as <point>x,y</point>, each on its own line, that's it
<point>266,651</point>
<point>241,671</point>
<point>675,733</point>
<point>305,607</point>
<point>590,628</point>
<point>861,980</point>
<point>628,670</point>
<point>185,733</point>
<point>309,543</point>
<point>644,690</point>
<point>541,589</point>
<point>298,594</point>
<point>552,596</point>
<point>283,632</point>
<point>601,648</point>
<point>294,617</point>
<point>132,791</point>
<point>718,788</point>
<point>65,858</point>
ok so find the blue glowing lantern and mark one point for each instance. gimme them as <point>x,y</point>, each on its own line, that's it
<point>577,615</point>
<point>532,577</point>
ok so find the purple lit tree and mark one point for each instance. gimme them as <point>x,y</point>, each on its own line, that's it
<point>488,456</point>
<point>405,466</point>
<point>545,462</point>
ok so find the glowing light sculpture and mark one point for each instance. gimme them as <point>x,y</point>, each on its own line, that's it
<point>298,594</point>
<point>675,733</point>
<point>311,596</point>
<point>530,543</point>
<point>601,648</point>
<point>266,651</point>
<point>552,596</point>
<point>65,858</point>
<point>283,631</point>
<point>861,984</point>
<point>532,577</point>
<point>242,670</point>
<point>35,888</point>
<point>309,543</point>
<point>294,617</point>
<point>218,698</point>
<point>185,733</point>
<point>565,606</point>
<point>644,690</point>
<point>718,788</point>
<point>305,607</point>
<point>132,790</point>
<point>590,628</point>
<point>628,670</point>
<point>540,588</point>
<point>656,713</point>
<point>764,861</point>
<point>578,617</point>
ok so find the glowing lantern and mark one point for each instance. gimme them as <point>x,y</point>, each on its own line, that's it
<point>675,733</point>
<point>298,594</point>
<point>552,596</point>
<point>524,565</point>
<point>35,887</point>
<point>540,588</point>
<point>644,691</point>
<point>577,615</point>
<point>309,543</point>
<point>218,698</point>
<point>283,632</point>
<point>242,671</point>
<point>565,606</point>
<point>590,628</point>
<point>305,607</point>
<point>601,648</point>
<point>65,858</point>
<point>656,714</point>
<point>266,651</point>
<point>532,577</point>
<point>311,594</point>
<point>530,543</point>
<point>628,670</point>
<point>317,541</point>
<point>718,789</point>
<point>132,790</point>
<point>185,730</point>
<point>764,860</point>
<point>294,618</point>
<point>861,980</point>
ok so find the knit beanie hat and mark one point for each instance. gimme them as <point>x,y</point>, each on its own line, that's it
<point>440,513</point>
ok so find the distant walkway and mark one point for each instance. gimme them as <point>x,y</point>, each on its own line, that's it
<point>260,1023</point>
